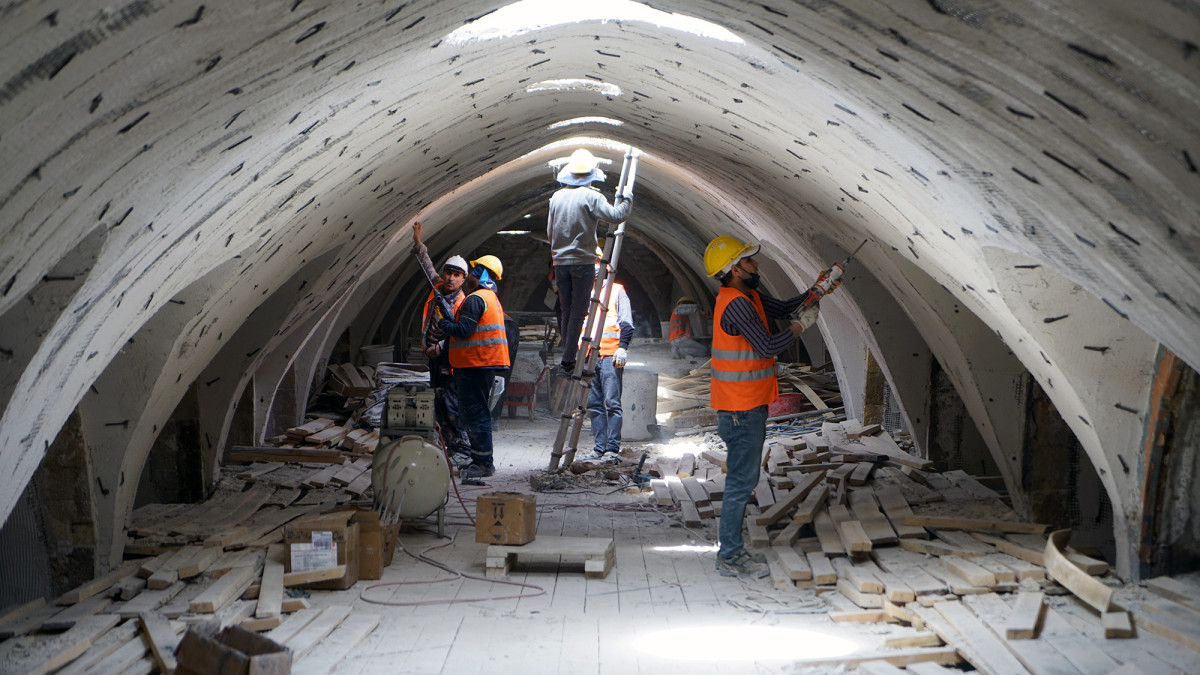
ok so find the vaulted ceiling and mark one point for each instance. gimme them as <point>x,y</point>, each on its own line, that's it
<point>210,194</point>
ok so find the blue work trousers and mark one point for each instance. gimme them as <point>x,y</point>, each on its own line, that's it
<point>744,433</point>
<point>604,405</point>
<point>474,385</point>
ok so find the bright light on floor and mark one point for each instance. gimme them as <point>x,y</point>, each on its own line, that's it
<point>532,15</point>
<point>686,548</point>
<point>676,448</point>
<point>513,232</point>
<point>742,643</point>
<point>586,120</point>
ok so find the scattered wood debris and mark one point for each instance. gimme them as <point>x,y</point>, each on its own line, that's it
<point>843,511</point>
<point>220,561</point>
<point>683,401</point>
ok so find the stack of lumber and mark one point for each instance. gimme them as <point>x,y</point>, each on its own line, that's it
<point>320,440</point>
<point>350,380</point>
<point>683,401</point>
<point>220,560</point>
<point>843,511</point>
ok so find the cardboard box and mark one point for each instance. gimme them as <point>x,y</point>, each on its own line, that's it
<point>505,518</point>
<point>233,651</point>
<point>307,540</point>
<point>376,544</point>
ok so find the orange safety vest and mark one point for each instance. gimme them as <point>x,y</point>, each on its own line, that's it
<point>430,304</point>
<point>680,327</point>
<point>488,345</point>
<point>610,339</point>
<point>741,379</point>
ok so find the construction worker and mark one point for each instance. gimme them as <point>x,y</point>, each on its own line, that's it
<point>575,212</point>
<point>478,350</point>
<point>680,330</point>
<point>744,384</point>
<point>433,344</point>
<point>604,400</point>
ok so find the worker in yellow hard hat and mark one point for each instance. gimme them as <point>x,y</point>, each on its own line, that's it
<point>571,227</point>
<point>680,335</point>
<point>478,346</point>
<point>744,383</point>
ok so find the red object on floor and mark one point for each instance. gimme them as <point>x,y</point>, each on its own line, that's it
<point>786,404</point>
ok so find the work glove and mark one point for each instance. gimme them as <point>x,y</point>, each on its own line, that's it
<point>620,357</point>
<point>807,316</point>
<point>496,392</point>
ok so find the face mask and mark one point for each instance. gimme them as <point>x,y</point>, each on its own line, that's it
<point>752,281</point>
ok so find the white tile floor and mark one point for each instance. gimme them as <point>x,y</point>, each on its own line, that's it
<point>662,609</point>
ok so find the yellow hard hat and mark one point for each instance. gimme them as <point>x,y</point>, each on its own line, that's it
<point>492,263</point>
<point>685,299</point>
<point>723,252</point>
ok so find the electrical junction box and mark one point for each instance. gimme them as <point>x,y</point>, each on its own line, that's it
<point>409,410</point>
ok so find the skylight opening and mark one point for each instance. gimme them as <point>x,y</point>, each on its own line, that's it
<point>528,16</point>
<point>586,120</point>
<point>604,88</point>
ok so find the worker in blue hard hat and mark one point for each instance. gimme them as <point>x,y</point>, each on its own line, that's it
<point>575,211</point>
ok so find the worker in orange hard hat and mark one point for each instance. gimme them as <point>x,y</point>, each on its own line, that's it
<point>478,346</point>
<point>575,212</point>
<point>744,382</point>
<point>680,335</point>
<point>433,344</point>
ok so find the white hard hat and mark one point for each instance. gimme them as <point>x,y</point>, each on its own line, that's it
<point>457,262</point>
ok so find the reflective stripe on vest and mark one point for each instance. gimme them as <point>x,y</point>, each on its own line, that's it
<point>741,379</point>
<point>610,339</point>
<point>678,328</point>
<point>488,345</point>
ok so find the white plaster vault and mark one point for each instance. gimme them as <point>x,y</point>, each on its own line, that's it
<point>213,192</point>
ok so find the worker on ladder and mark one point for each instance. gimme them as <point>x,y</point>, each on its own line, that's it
<point>575,212</point>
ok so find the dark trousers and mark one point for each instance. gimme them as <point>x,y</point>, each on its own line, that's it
<point>474,385</point>
<point>574,284</point>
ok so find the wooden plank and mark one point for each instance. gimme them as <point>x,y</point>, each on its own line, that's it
<point>982,525</point>
<point>790,499</point>
<point>270,594</point>
<point>795,565</point>
<point>866,510</point>
<point>102,647</point>
<point>199,562</point>
<point>99,585</point>
<point>806,511</point>
<point>917,639</point>
<point>1026,616</point>
<point>1176,591</point>
<point>224,590</point>
<point>246,455</point>
<point>45,656</point>
<point>994,657</point>
<point>864,600</point>
<point>162,639</point>
<point>1117,625</point>
<point>896,508</point>
<point>147,601</point>
<point>897,657</point>
<point>340,643</point>
<point>1038,656</point>
<point>291,579</point>
<point>1074,579</point>
<point>965,543</point>
<point>827,534</point>
<point>1169,620</point>
<point>68,617</point>
<point>349,472</point>
<point>854,538</point>
<point>972,573</point>
<point>861,616</point>
<point>823,573</point>
<point>322,625</point>
<point>863,580</point>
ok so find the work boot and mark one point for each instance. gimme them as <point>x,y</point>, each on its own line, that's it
<point>476,471</point>
<point>598,455</point>
<point>742,565</point>
<point>460,459</point>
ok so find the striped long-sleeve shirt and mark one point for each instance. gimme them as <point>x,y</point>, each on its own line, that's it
<point>741,319</point>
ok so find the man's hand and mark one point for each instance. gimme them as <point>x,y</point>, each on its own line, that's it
<point>416,232</point>
<point>620,357</point>
<point>804,318</point>
<point>433,350</point>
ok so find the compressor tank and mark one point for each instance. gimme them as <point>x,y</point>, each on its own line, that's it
<point>410,479</point>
